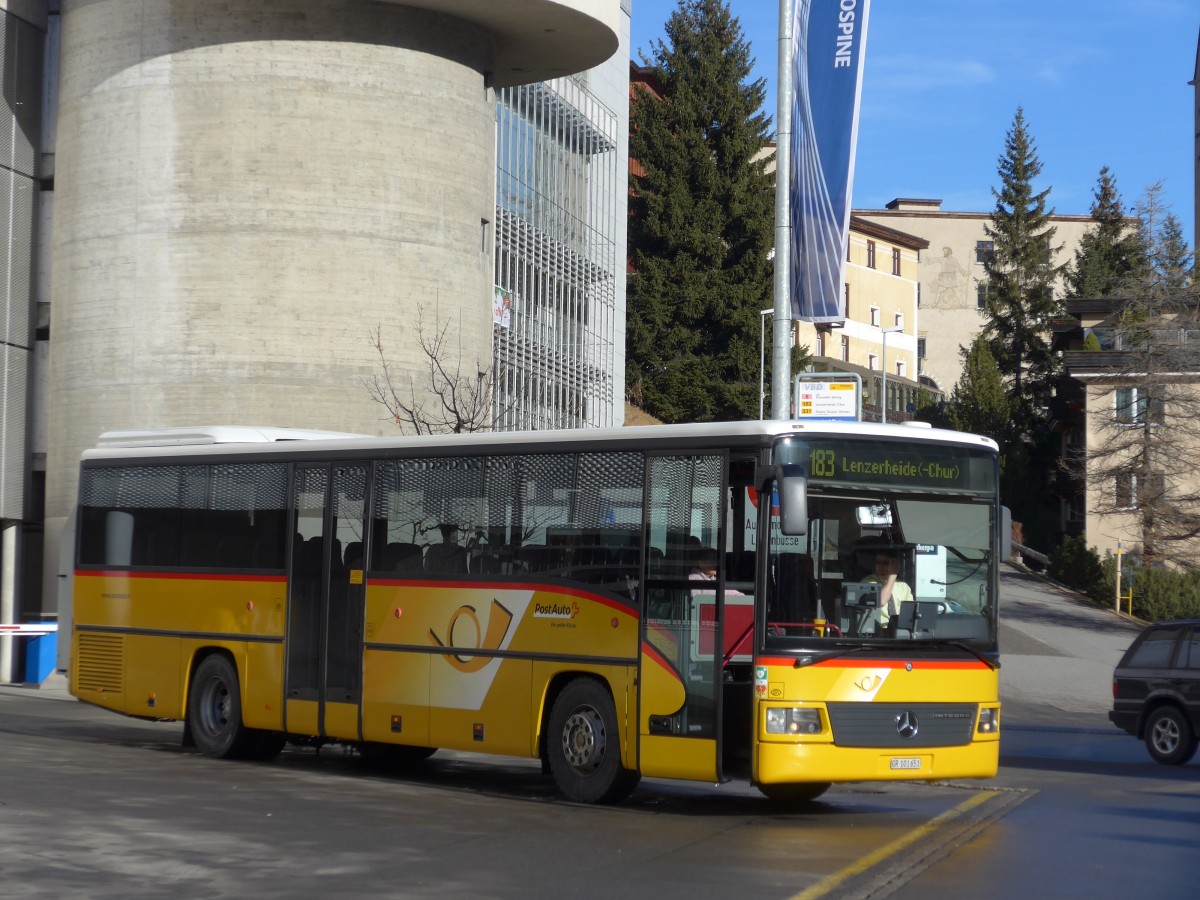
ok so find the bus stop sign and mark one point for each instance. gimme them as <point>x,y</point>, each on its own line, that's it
<point>818,396</point>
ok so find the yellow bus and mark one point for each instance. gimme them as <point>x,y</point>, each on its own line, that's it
<point>789,603</point>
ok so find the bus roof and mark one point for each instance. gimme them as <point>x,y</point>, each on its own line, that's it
<point>242,440</point>
<point>214,434</point>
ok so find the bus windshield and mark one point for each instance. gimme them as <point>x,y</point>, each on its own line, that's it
<point>899,546</point>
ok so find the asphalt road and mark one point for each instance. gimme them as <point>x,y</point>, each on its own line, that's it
<point>98,805</point>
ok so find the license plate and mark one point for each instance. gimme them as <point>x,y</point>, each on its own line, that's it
<point>906,762</point>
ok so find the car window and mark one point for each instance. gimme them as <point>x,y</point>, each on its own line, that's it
<point>1191,655</point>
<point>1155,649</point>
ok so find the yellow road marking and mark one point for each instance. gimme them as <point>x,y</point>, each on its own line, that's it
<point>821,888</point>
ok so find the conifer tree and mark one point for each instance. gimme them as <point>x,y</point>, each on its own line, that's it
<point>1111,252</point>
<point>1019,299</point>
<point>701,223</point>
<point>979,402</point>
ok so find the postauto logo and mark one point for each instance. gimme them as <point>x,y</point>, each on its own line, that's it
<point>498,623</point>
<point>555,610</point>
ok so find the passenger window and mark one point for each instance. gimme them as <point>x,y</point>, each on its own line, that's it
<point>1191,658</point>
<point>1156,650</point>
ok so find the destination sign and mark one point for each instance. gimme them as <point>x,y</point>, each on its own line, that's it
<point>897,463</point>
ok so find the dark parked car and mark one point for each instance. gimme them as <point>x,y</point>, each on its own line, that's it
<point>1156,690</point>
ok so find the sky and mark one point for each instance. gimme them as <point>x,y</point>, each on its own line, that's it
<point>1102,83</point>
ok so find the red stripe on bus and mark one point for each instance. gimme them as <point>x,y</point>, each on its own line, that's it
<point>542,587</point>
<point>859,662</point>
<point>375,582</point>
<point>651,652</point>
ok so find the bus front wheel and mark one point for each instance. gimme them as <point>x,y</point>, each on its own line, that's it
<point>215,712</point>
<point>583,748</point>
<point>794,794</point>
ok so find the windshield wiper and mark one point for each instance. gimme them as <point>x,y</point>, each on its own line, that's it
<point>963,645</point>
<point>808,659</point>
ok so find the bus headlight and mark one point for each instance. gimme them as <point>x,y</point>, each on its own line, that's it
<point>793,721</point>
<point>989,720</point>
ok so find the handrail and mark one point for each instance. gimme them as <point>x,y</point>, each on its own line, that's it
<point>821,628</point>
<point>1031,553</point>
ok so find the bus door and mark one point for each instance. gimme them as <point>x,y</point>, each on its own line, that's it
<point>679,710</point>
<point>323,689</point>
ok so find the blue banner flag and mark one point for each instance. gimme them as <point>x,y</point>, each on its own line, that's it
<point>828,42</point>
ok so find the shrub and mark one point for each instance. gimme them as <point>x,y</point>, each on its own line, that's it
<point>1158,594</point>
<point>1078,566</point>
<point>1164,594</point>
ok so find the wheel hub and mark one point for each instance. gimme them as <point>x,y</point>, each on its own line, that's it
<point>583,741</point>
<point>1166,735</point>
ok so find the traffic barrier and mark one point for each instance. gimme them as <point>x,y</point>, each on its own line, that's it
<point>42,651</point>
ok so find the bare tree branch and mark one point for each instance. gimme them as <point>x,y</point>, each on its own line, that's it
<point>1141,467</point>
<point>448,400</point>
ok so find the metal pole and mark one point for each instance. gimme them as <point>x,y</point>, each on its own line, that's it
<point>1118,597</point>
<point>781,354</point>
<point>883,400</point>
<point>762,352</point>
<point>8,600</point>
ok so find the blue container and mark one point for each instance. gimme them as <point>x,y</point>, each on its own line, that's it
<point>41,654</point>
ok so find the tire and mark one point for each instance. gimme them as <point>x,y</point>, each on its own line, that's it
<point>269,744</point>
<point>215,711</point>
<point>794,794</point>
<point>582,746</point>
<point>1169,737</point>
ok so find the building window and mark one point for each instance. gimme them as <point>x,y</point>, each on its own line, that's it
<point>901,369</point>
<point>895,260</point>
<point>875,316</point>
<point>847,298</point>
<point>845,349</point>
<point>1133,491</point>
<point>981,294</point>
<point>985,251</point>
<point>899,320</point>
<point>872,361</point>
<point>918,295</point>
<point>820,343</point>
<point>1123,495</point>
<point>920,348</point>
<point>870,254</point>
<point>1131,405</point>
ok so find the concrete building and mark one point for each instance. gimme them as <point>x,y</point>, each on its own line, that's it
<point>951,275</point>
<point>1099,394</point>
<point>882,320</point>
<point>213,204</point>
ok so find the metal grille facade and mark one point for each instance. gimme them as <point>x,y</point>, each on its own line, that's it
<point>558,191</point>
<point>20,127</point>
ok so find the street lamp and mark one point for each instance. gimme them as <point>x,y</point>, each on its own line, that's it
<point>884,332</point>
<point>762,352</point>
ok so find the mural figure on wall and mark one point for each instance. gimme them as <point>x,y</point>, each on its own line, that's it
<point>953,280</point>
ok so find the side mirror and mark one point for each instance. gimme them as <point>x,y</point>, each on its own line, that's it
<point>1006,540</point>
<point>792,483</point>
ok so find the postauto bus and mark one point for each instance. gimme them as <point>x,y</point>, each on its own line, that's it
<point>694,602</point>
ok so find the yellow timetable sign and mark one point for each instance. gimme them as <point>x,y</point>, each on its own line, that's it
<point>827,400</point>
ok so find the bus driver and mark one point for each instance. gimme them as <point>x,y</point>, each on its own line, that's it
<point>894,591</point>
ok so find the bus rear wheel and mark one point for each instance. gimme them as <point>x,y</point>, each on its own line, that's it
<point>582,746</point>
<point>794,794</point>
<point>215,713</point>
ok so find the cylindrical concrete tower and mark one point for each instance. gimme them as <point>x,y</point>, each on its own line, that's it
<point>245,190</point>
